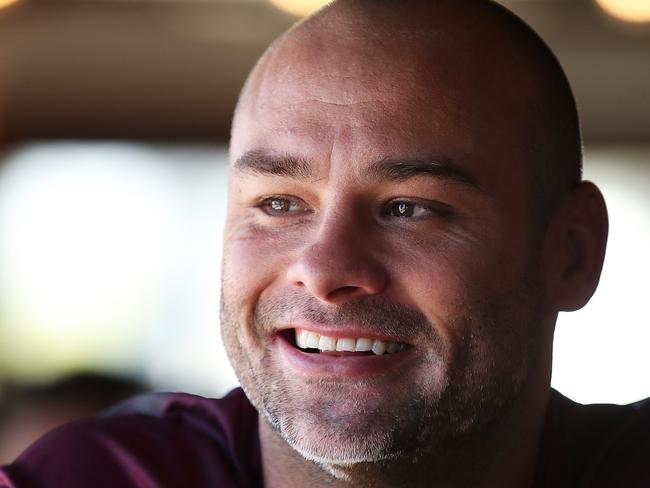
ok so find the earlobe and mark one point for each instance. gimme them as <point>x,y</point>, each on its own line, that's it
<point>575,248</point>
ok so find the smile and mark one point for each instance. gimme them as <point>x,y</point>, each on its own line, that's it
<point>309,341</point>
<point>341,353</point>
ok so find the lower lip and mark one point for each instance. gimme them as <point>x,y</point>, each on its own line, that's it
<point>328,365</point>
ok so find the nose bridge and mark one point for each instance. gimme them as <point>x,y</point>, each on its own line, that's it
<point>338,264</point>
<point>336,243</point>
<point>339,228</point>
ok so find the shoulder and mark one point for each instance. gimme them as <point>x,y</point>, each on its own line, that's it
<point>599,445</point>
<point>622,457</point>
<point>152,440</point>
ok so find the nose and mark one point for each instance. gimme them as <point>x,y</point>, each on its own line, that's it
<point>339,264</point>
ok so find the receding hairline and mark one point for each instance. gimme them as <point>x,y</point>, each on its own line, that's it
<point>555,144</point>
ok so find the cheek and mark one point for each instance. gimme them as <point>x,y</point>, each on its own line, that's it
<point>251,264</point>
<point>441,272</point>
<point>253,255</point>
<point>445,284</point>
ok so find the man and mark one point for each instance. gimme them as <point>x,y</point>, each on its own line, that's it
<point>406,219</point>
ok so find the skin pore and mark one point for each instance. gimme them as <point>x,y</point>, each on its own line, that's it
<point>383,184</point>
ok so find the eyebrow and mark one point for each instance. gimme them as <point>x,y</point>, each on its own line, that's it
<point>260,163</point>
<point>438,167</point>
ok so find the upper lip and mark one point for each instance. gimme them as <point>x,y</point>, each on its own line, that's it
<point>343,332</point>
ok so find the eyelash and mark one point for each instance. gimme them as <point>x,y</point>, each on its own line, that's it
<point>403,205</point>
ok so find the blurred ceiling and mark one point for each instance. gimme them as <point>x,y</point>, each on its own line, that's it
<point>171,70</point>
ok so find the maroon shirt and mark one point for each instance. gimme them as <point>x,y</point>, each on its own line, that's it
<point>153,440</point>
<point>179,440</point>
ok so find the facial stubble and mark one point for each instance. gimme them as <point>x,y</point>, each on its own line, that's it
<point>459,395</point>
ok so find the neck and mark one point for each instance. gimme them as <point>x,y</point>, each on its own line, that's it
<point>505,457</point>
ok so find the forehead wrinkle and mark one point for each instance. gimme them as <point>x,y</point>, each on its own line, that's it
<point>309,89</point>
<point>323,100</point>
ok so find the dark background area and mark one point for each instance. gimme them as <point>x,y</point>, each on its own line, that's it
<point>171,70</point>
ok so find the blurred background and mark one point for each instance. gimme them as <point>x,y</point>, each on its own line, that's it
<point>115,117</point>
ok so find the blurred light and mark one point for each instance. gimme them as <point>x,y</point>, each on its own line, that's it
<point>6,3</point>
<point>627,10</point>
<point>599,350</point>
<point>110,255</point>
<point>85,237</point>
<point>299,7</point>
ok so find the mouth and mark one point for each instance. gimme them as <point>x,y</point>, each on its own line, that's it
<point>313,343</point>
<point>343,353</point>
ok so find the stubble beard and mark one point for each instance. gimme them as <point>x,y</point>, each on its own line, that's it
<point>466,395</point>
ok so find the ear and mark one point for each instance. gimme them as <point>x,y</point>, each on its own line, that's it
<point>574,248</point>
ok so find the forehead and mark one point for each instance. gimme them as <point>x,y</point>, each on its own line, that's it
<point>357,98</point>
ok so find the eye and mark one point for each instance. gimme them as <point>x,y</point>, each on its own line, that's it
<point>281,206</point>
<point>407,209</point>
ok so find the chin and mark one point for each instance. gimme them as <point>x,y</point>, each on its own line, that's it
<point>337,446</point>
<point>340,428</point>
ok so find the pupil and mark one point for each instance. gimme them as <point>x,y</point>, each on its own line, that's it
<point>403,209</point>
<point>279,205</point>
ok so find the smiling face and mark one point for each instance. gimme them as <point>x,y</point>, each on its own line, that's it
<point>379,199</point>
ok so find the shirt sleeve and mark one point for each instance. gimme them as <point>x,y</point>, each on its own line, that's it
<point>126,452</point>
<point>76,455</point>
<point>173,440</point>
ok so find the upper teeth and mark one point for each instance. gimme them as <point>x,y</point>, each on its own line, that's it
<point>310,340</point>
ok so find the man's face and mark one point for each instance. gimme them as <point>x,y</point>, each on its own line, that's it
<point>383,201</point>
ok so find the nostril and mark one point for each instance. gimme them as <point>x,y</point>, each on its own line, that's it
<point>342,292</point>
